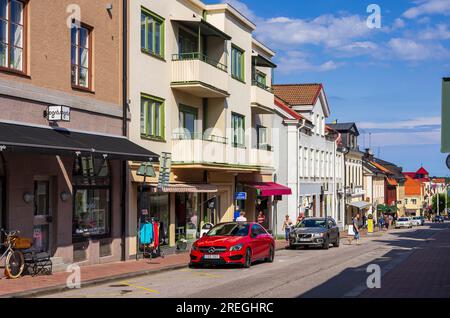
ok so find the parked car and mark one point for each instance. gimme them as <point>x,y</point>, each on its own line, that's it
<point>438,219</point>
<point>418,220</point>
<point>233,243</point>
<point>403,223</point>
<point>318,232</point>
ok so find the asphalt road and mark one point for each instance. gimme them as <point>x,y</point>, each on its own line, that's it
<point>337,272</point>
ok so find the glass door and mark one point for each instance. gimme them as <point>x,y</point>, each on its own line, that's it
<point>42,216</point>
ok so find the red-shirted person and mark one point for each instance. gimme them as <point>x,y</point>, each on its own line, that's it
<point>261,218</point>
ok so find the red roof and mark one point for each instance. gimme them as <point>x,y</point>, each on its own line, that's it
<point>298,94</point>
<point>422,171</point>
<point>287,109</point>
<point>409,174</point>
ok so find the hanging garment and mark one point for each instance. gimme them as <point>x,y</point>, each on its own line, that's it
<point>146,233</point>
<point>156,234</point>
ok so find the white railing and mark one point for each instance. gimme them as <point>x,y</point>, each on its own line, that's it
<point>197,71</point>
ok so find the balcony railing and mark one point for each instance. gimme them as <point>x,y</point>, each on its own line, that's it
<point>201,57</point>
<point>199,136</point>
<point>262,85</point>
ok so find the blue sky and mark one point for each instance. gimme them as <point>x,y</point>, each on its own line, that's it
<point>387,80</point>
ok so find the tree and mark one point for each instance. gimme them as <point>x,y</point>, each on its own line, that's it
<point>441,203</point>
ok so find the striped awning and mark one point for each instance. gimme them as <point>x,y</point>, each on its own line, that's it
<point>189,188</point>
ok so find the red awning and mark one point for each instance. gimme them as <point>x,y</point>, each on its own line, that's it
<point>267,189</point>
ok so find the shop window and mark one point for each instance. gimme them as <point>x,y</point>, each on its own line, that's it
<point>187,216</point>
<point>158,207</point>
<point>2,192</point>
<point>12,35</point>
<point>92,206</point>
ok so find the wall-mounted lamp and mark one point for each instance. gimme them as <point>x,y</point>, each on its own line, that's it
<point>64,196</point>
<point>28,197</point>
<point>109,7</point>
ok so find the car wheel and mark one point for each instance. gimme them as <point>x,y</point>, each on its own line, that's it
<point>248,258</point>
<point>271,257</point>
<point>336,244</point>
<point>326,244</point>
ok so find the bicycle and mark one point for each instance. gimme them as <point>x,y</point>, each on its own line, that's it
<point>14,258</point>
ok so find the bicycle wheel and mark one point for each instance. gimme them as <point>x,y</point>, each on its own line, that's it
<point>15,264</point>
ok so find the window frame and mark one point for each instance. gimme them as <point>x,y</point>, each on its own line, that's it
<point>233,130</point>
<point>162,120</point>
<point>184,109</point>
<point>240,77</point>
<point>76,85</point>
<point>145,49</point>
<point>24,48</point>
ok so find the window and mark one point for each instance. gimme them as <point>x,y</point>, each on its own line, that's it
<point>92,188</point>
<point>262,137</point>
<point>238,130</point>
<point>260,79</point>
<point>81,56</point>
<point>188,121</point>
<point>152,33</point>
<point>237,63</point>
<point>12,35</point>
<point>157,205</point>
<point>152,117</point>
<point>414,201</point>
<point>187,42</point>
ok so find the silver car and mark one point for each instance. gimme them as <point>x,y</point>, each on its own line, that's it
<point>317,232</point>
<point>403,223</point>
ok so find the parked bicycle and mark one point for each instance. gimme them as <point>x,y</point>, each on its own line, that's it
<point>13,256</point>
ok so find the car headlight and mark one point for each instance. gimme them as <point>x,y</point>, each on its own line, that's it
<point>194,247</point>
<point>317,235</point>
<point>236,248</point>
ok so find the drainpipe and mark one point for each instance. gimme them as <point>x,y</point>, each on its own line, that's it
<point>125,124</point>
<point>302,125</point>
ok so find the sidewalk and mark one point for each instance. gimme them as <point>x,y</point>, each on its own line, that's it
<point>95,274</point>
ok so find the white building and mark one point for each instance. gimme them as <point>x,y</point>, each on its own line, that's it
<point>308,149</point>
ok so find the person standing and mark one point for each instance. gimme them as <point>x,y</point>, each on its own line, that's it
<point>241,217</point>
<point>261,218</point>
<point>356,227</point>
<point>287,225</point>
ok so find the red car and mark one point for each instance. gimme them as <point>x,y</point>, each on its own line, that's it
<point>233,243</point>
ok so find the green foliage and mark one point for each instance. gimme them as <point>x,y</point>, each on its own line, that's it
<point>441,203</point>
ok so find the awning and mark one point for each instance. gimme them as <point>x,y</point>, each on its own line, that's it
<point>267,189</point>
<point>63,142</point>
<point>261,61</point>
<point>360,204</point>
<point>189,188</point>
<point>206,29</point>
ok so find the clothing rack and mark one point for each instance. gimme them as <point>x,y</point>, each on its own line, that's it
<point>148,237</point>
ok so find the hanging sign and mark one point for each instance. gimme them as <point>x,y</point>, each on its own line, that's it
<point>240,196</point>
<point>58,113</point>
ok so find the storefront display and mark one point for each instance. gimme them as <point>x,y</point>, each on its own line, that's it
<point>2,192</point>
<point>156,205</point>
<point>187,211</point>
<point>92,214</point>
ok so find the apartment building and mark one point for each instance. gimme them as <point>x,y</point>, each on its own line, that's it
<point>374,183</point>
<point>414,197</point>
<point>200,90</point>
<point>315,167</point>
<point>354,191</point>
<point>62,149</point>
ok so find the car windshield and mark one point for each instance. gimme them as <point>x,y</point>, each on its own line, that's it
<point>229,229</point>
<point>403,219</point>
<point>416,218</point>
<point>312,223</point>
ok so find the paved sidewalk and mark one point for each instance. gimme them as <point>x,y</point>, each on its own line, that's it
<point>90,275</point>
<point>424,274</point>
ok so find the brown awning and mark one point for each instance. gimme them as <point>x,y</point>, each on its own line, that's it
<point>188,188</point>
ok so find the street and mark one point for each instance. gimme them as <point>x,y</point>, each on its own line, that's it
<point>310,273</point>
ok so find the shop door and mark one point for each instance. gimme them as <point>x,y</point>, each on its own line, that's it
<point>2,201</point>
<point>42,216</point>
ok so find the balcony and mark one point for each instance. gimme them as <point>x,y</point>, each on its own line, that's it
<point>217,151</point>
<point>262,98</point>
<point>199,75</point>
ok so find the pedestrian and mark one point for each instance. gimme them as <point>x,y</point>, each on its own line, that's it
<point>287,225</point>
<point>300,218</point>
<point>381,223</point>
<point>241,217</point>
<point>261,218</point>
<point>356,227</point>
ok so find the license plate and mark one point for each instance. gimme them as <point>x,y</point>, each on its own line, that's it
<point>305,240</point>
<point>211,257</point>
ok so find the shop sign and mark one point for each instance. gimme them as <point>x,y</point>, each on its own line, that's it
<point>240,196</point>
<point>58,113</point>
<point>164,170</point>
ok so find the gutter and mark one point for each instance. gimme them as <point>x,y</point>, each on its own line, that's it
<point>302,125</point>
<point>124,123</point>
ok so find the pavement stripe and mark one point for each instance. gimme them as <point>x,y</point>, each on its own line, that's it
<point>140,287</point>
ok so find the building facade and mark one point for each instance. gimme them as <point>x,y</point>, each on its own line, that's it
<point>62,148</point>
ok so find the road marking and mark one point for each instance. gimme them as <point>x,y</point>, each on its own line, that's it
<point>140,287</point>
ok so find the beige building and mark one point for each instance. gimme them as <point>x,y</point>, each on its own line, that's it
<point>199,89</point>
<point>374,183</point>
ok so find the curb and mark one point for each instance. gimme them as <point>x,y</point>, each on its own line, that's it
<point>93,282</point>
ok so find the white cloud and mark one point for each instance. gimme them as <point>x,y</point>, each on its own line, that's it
<point>242,8</point>
<point>296,61</point>
<point>403,124</point>
<point>428,7</point>
<point>399,23</point>
<point>411,50</point>
<point>440,32</point>
<point>406,138</point>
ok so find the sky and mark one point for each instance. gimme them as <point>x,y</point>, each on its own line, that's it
<point>387,77</point>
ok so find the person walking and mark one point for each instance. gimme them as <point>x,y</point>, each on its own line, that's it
<point>241,217</point>
<point>287,225</point>
<point>356,226</point>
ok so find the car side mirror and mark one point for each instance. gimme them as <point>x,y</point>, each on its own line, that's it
<point>253,235</point>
